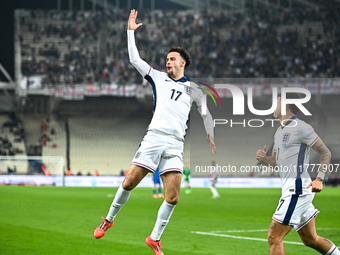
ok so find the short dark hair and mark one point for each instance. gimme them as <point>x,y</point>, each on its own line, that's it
<point>184,54</point>
<point>292,107</point>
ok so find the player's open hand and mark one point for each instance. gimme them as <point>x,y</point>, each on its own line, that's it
<point>316,185</point>
<point>260,154</point>
<point>132,20</point>
<point>211,144</point>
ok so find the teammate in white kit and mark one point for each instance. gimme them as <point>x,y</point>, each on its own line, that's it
<point>213,176</point>
<point>292,143</point>
<point>162,146</point>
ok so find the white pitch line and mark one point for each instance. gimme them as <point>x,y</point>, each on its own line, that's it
<point>240,237</point>
<point>239,231</point>
<point>258,230</point>
<point>215,233</point>
<point>327,228</point>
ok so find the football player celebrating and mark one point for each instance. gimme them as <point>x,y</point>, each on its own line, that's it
<point>162,146</point>
<point>292,143</point>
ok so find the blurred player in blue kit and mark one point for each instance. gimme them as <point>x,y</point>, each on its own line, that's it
<point>292,143</point>
<point>163,144</point>
<point>157,182</point>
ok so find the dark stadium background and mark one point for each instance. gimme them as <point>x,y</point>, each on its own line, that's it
<point>43,220</point>
<point>7,8</point>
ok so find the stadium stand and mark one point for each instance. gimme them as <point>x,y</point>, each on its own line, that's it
<point>56,146</point>
<point>11,144</point>
<point>71,48</point>
<point>105,144</point>
<point>33,133</point>
<point>115,143</point>
<point>89,47</point>
<point>105,133</point>
<point>12,136</point>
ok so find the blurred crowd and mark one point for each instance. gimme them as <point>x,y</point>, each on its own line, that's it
<point>47,131</point>
<point>91,47</point>
<point>16,131</point>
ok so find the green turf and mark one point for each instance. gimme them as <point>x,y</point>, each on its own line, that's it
<point>58,220</point>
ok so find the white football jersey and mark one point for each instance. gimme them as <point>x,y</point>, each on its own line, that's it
<point>172,99</point>
<point>292,144</point>
<point>172,103</point>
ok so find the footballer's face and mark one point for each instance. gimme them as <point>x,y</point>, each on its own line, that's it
<point>175,65</point>
<point>277,112</point>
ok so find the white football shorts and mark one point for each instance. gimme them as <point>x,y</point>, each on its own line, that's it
<point>295,210</point>
<point>160,150</point>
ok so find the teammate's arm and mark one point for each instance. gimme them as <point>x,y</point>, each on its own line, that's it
<point>142,67</point>
<point>325,160</point>
<point>263,158</point>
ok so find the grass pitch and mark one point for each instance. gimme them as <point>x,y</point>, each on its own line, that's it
<point>59,220</point>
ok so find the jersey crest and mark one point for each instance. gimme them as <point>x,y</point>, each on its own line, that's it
<point>285,137</point>
<point>138,154</point>
<point>187,90</point>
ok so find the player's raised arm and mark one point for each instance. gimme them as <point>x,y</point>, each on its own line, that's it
<point>263,158</point>
<point>142,67</point>
<point>132,20</point>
